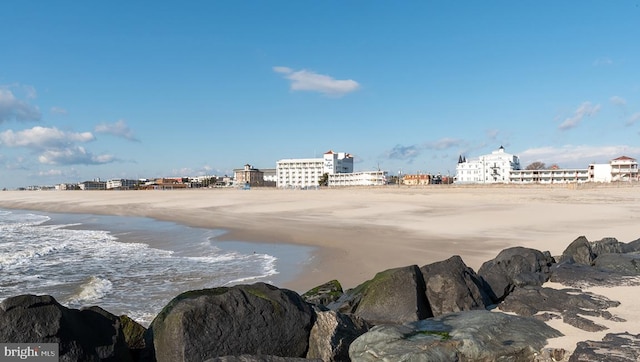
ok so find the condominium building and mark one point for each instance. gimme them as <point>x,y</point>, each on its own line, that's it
<point>307,172</point>
<point>622,168</point>
<point>487,169</point>
<point>363,178</point>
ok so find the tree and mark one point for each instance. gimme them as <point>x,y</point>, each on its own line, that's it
<point>324,180</point>
<point>536,166</point>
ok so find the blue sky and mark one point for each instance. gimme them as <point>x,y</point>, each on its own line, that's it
<point>122,89</point>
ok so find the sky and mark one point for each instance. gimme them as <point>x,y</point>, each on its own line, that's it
<point>145,89</point>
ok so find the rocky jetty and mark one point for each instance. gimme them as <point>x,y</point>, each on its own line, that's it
<point>443,311</point>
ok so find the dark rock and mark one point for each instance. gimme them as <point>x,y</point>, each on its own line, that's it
<point>515,267</point>
<point>251,358</point>
<point>392,296</point>
<point>257,319</point>
<point>571,304</point>
<point>607,246</point>
<point>332,333</point>
<point>622,264</point>
<point>579,251</point>
<point>451,286</point>
<point>133,334</point>
<point>618,347</point>
<point>324,294</point>
<point>90,334</point>
<point>631,247</point>
<point>462,336</point>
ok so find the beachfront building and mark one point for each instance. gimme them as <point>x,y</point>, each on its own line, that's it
<point>363,178</point>
<point>93,185</point>
<point>487,169</point>
<point>420,179</point>
<point>307,172</point>
<point>622,168</point>
<point>248,176</point>
<point>550,176</point>
<point>121,184</point>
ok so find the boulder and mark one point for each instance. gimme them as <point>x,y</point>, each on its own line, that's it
<point>324,294</point>
<point>579,251</point>
<point>451,286</point>
<point>252,358</point>
<point>462,336</point>
<point>392,296</point>
<point>89,334</point>
<point>570,304</point>
<point>257,319</point>
<point>614,347</point>
<point>515,267</point>
<point>332,333</point>
<point>133,334</point>
<point>608,246</point>
<point>623,264</point>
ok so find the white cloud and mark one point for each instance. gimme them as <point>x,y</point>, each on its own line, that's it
<point>579,156</point>
<point>633,119</point>
<point>42,137</point>
<point>50,173</point>
<point>618,101</point>
<point>400,152</point>
<point>58,110</point>
<point>586,109</point>
<point>12,108</point>
<point>603,61</point>
<point>73,156</point>
<point>305,80</point>
<point>119,129</point>
<point>443,144</point>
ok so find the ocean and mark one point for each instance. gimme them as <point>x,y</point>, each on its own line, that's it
<point>129,265</point>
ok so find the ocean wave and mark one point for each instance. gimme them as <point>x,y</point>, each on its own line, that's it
<point>92,290</point>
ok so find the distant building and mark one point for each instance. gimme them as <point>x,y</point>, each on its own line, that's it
<point>420,179</point>
<point>622,168</point>
<point>121,184</point>
<point>307,172</point>
<point>93,185</point>
<point>249,176</point>
<point>364,178</point>
<point>619,169</point>
<point>487,169</point>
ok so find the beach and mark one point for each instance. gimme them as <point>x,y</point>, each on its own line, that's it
<point>358,232</point>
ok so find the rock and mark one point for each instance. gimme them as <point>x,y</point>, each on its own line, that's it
<point>89,334</point>
<point>257,319</point>
<point>515,267</point>
<point>631,247</point>
<point>332,333</point>
<point>607,246</point>
<point>462,336</point>
<point>133,334</point>
<point>392,296</point>
<point>451,286</point>
<point>324,294</point>
<point>622,264</point>
<point>618,347</point>
<point>571,304</point>
<point>251,358</point>
<point>579,251</point>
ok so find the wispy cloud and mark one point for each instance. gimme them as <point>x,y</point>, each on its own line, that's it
<point>586,109</point>
<point>73,156</point>
<point>42,138</point>
<point>118,129</point>
<point>633,119</point>
<point>306,80</point>
<point>603,61</point>
<point>12,108</point>
<point>58,110</point>
<point>400,152</point>
<point>443,144</point>
<point>575,155</point>
<point>618,101</point>
<point>55,146</point>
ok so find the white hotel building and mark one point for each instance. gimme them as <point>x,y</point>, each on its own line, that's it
<point>307,172</point>
<point>487,169</point>
<point>501,167</point>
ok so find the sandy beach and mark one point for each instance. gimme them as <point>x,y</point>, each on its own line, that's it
<point>361,231</point>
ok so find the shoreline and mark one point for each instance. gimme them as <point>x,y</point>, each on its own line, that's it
<point>357,233</point>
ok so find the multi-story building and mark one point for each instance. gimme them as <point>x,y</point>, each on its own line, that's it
<point>487,169</point>
<point>364,178</point>
<point>307,172</point>
<point>622,168</point>
<point>121,184</point>
<point>550,176</point>
<point>248,176</point>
